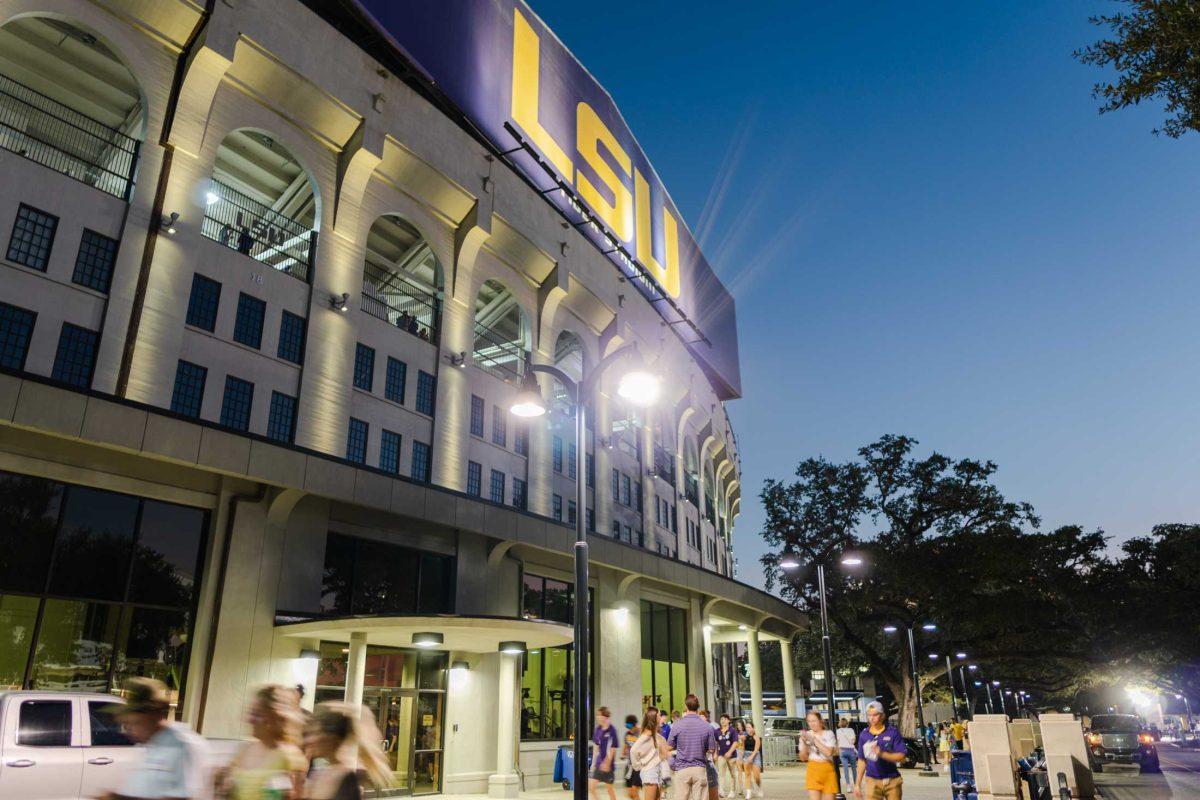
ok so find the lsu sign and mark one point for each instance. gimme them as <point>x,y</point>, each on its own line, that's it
<point>511,77</point>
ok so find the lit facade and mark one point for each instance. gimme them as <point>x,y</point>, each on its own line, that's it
<point>265,304</point>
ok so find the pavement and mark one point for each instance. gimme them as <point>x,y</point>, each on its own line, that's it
<point>1179,779</point>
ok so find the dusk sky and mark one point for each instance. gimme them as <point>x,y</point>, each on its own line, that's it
<point>928,230</point>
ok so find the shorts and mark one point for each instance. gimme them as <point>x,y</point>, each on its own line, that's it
<point>603,775</point>
<point>633,777</point>
<point>883,788</point>
<point>820,776</point>
<point>649,776</point>
<point>753,758</point>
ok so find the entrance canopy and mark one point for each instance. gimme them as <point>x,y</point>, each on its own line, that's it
<point>459,634</point>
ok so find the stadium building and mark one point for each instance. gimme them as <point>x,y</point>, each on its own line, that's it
<point>271,275</point>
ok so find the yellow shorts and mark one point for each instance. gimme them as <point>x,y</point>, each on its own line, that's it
<point>821,776</point>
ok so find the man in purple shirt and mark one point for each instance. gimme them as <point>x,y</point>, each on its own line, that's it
<point>605,739</point>
<point>881,751</point>
<point>693,740</point>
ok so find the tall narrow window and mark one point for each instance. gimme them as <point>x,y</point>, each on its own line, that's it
<point>474,479</point>
<point>236,405</point>
<point>477,416</point>
<point>203,302</point>
<point>497,486</point>
<point>389,452</point>
<point>519,498</point>
<point>499,427</point>
<point>556,506</point>
<point>248,326</point>
<point>281,424</point>
<point>95,260</point>
<point>76,357</point>
<point>572,456</point>
<point>521,438</point>
<point>393,385</point>
<point>616,485</point>
<point>16,329</point>
<point>188,395</point>
<point>364,367</point>
<point>426,388</point>
<point>421,465</point>
<point>557,455</point>
<point>292,333</point>
<point>572,511</point>
<point>356,441</point>
<point>32,237</point>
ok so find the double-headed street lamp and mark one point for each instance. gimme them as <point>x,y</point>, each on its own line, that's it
<point>790,563</point>
<point>912,657</point>
<point>639,387</point>
<point>1187,707</point>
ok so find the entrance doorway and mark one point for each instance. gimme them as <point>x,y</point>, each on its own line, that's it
<point>406,691</point>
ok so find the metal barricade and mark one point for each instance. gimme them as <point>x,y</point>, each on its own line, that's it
<point>779,749</point>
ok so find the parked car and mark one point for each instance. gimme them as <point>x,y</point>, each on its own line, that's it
<point>1120,739</point>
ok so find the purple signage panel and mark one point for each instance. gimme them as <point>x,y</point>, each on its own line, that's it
<point>517,83</point>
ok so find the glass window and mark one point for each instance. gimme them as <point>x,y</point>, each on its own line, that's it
<point>393,387</point>
<point>106,730</point>
<point>32,237</point>
<point>364,367</point>
<point>203,302</point>
<point>556,506</point>
<point>75,646</point>
<point>44,723</point>
<point>18,617</point>
<point>291,338</point>
<point>152,642</point>
<point>95,260</point>
<point>520,438</point>
<point>426,389</point>
<point>338,575</point>
<point>616,486</point>
<point>356,441</point>
<point>16,328</point>
<point>546,700</point>
<point>28,519</point>
<point>437,584</point>
<point>248,326</point>
<point>76,356</point>
<point>474,479</point>
<point>572,510</point>
<point>497,493</point>
<point>572,456</point>
<point>188,395</point>
<point>281,424</point>
<point>389,452</point>
<point>499,427</point>
<point>385,579</point>
<point>235,407</point>
<point>626,491</point>
<point>519,498</point>
<point>557,454</point>
<point>166,561</point>
<point>476,416</point>
<point>664,655</point>
<point>94,545</point>
<point>421,462</point>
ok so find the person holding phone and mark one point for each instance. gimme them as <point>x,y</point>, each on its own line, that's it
<point>881,751</point>
<point>818,746</point>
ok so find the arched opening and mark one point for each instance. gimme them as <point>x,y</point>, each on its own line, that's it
<point>691,472</point>
<point>402,278</point>
<point>709,489</point>
<point>501,332</point>
<point>69,103</point>
<point>664,453</point>
<point>261,202</point>
<point>568,356</point>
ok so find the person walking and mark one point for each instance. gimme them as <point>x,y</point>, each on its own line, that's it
<point>271,764</point>
<point>174,761</point>
<point>693,741</point>
<point>739,725</point>
<point>847,752</point>
<point>633,778</point>
<point>727,763</point>
<point>957,731</point>
<point>342,742</point>
<point>752,760</point>
<point>880,752</point>
<point>818,746</point>
<point>605,740</point>
<point>649,754</point>
<point>944,738</point>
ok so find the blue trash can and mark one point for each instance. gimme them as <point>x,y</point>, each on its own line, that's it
<point>564,766</point>
<point>962,775</point>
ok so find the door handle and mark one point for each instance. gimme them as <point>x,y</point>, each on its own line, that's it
<point>20,762</point>
<point>100,762</point>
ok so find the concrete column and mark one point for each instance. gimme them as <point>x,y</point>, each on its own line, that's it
<point>451,435</point>
<point>356,668</point>
<point>710,694</point>
<point>602,426</point>
<point>539,470</point>
<point>649,496</point>
<point>504,782</point>
<point>756,701</point>
<point>789,679</point>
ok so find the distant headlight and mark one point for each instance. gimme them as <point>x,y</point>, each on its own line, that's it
<point>1145,738</point>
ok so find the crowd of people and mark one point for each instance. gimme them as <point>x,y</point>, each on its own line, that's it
<point>695,758</point>
<point>331,753</point>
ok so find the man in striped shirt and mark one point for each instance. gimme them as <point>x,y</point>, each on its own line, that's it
<point>693,740</point>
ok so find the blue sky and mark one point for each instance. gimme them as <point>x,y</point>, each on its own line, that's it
<point>928,230</point>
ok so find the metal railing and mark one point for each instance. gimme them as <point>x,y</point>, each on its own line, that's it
<point>780,748</point>
<point>49,133</point>
<point>394,300</point>
<point>254,229</point>
<point>664,464</point>
<point>498,355</point>
<point>691,488</point>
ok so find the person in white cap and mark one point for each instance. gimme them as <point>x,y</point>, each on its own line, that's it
<point>880,752</point>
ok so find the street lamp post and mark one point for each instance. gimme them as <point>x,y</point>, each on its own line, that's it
<point>969,705</point>
<point>912,657</point>
<point>991,706</point>
<point>953,694</point>
<point>1187,707</point>
<point>640,388</point>
<point>1000,693</point>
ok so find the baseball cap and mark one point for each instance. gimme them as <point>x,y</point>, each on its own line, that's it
<point>143,696</point>
<point>877,707</point>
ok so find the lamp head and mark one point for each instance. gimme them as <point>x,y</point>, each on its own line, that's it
<point>529,401</point>
<point>639,386</point>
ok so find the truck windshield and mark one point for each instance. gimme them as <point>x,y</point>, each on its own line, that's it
<point>1116,724</point>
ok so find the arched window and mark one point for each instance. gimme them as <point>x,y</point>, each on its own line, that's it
<point>709,489</point>
<point>691,466</point>
<point>501,332</point>
<point>68,102</point>
<point>261,202</point>
<point>402,278</point>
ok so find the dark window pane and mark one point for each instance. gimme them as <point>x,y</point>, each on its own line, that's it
<point>389,452</point>
<point>95,260</point>
<point>28,516</point>
<point>32,237</point>
<point>531,591</point>
<point>153,644</point>
<point>45,723</point>
<point>356,441</point>
<point>75,645</point>
<point>678,636</point>
<point>421,458</point>
<point>476,415</point>
<point>474,478</point>
<point>16,329</point>
<point>203,302</point>
<point>76,356</point>
<point>426,390</point>
<point>92,554</point>
<point>248,325</point>
<point>559,602</point>
<point>281,424</point>
<point>18,614</point>
<point>167,556</point>
<point>188,396</point>
<point>364,367</point>
<point>106,730</point>
<point>647,632</point>
<point>338,576</point>
<point>431,674</point>
<point>237,403</point>
<point>393,388</point>
<point>437,584</point>
<point>291,338</point>
<point>385,579</point>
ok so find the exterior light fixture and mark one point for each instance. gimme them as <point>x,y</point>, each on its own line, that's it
<point>310,654</point>
<point>979,683</point>
<point>708,629</point>
<point>639,387</point>
<point>742,628</point>
<point>211,197</point>
<point>458,359</point>
<point>995,683</point>
<point>889,629</point>
<point>340,302</point>
<point>460,666</point>
<point>168,223</point>
<point>933,656</point>
<point>851,561</point>
<point>428,639</point>
<point>972,667</point>
<point>960,655</point>
<point>512,648</point>
<point>929,626</point>
<point>789,562</point>
<point>529,401</point>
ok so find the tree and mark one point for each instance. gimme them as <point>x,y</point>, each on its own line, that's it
<point>941,544</point>
<point>1153,48</point>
